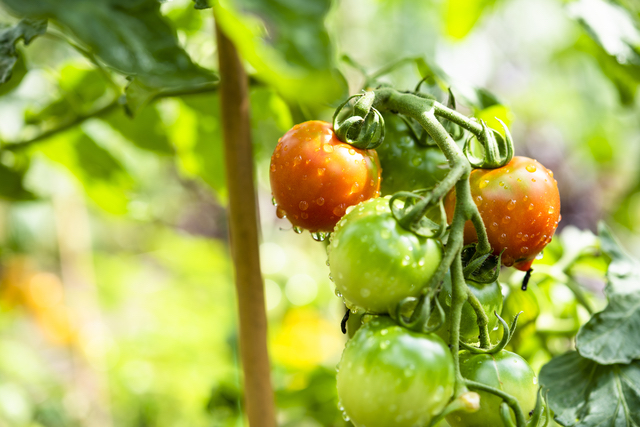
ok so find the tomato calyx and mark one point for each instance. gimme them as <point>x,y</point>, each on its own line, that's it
<point>498,149</point>
<point>411,216</point>
<point>479,267</point>
<point>421,310</point>
<point>363,126</point>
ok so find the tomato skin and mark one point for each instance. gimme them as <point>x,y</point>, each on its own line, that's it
<point>374,262</point>
<point>489,295</point>
<point>315,177</point>
<point>505,371</point>
<point>406,165</point>
<point>520,206</point>
<point>390,376</point>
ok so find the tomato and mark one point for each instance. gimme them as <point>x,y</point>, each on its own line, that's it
<point>390,376</point>
<point>407,165</point>
<point>376,263</point>
<point>520,207</point>
<point>315,177</point>
<point>489,295</point>
<point>505,371</point>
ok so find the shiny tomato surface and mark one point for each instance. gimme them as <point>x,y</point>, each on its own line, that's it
<point>520,207</point>
<point>315,177</point>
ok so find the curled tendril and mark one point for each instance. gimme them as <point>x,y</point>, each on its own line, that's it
<point>537,411</point>
<point>507,333</point>
<point>364,128</point>
<point>498,150</point>
<point>421,312</point>
<point>411,215</point>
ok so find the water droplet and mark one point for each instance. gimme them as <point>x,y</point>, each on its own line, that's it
<point>328,148</point>
<point>501,183</point>
<point>550,173</point>
<point>338,210</point>
<point>506,219</point>
<point>352,151</point>
<point>280,213</point>
<point>273,201</point>
<point>297,230</point>
<point>338,293</point>
<point>273,167</point>
<point>511,205</point>
<point>303,205</point>
<point>531,206</point>
<point>304,215</point>
<point>526,198</point>
<point>531,168</point>
<point>502,238</point>
<point>519,236</point>
<point>416,161</point>
<point>483,184</point>
<point>525,237</point>
<point>519,180</point>
<point>321,171</point>
<point>354,187</point>
<point>540,255</point>
<point>551,210</point>
<point>533,180</point>
<point>494,226</point>
<point>349,209</point>
<point>524,249</point>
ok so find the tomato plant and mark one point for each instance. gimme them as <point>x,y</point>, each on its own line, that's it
<point>406,164</point>
<point>506,371</point>
<point>390,376</point>
<point>520,206</point>
<point>315,177</point>
<point>489,295</point>
<point>374,262</point>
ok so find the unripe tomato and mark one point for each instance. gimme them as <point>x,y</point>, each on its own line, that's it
<point>406,165</point>
<point>520,206</point>
<point>489,295</point>
<point>374,262</point>
<point>315,177</point>
<point>390,376</point>
<point>505,371</point>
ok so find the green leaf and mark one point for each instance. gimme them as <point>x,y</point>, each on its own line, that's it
<point>146,130</point>
<point>104,178</point>
<point>11,185</point>
<point>462,15</point>
<point>586,394</point>
<point>132,37</point>
<point>614,41</point>
<point>287,44</point>
<point>27,30</point>
<point>610,336</point>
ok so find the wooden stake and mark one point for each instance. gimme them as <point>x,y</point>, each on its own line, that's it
<point>243,230</point>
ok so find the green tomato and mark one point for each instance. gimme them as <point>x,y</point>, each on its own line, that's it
<point>391,376</point>
<point>505,371</point>
<point>407,165</point>
<point>489,295</point>
<point>374,262</point>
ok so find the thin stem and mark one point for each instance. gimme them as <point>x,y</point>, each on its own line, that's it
<point>102,111</point>
<point>457,118</point>
<point>510,400</point>
<point>458,298</point>
<point>482,319</point>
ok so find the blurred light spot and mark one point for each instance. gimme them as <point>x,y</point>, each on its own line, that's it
<point>138,376</point>
<point>14,404</point>
<point>272,258</point>
<point>301,289</point>
<point>77,404</point>
<point>273,294</point>
<point>45,289</point>
<point>100,348</point>
<point>560,294</point>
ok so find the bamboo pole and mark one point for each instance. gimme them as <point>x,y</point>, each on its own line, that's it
<point>243,230</point>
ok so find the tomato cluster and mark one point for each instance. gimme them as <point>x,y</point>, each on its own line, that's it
<point>389,374</point>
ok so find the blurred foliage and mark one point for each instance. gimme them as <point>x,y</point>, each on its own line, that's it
<point>116,294</point>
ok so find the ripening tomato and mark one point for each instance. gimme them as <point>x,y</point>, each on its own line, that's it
<point>505,371</point>
<point>315,177</point>
<point>374,262</point>
<point>391,376</point>
<point>520,207</point>
<point>406,165</point>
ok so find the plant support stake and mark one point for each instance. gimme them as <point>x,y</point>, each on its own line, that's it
<point>243,230</point>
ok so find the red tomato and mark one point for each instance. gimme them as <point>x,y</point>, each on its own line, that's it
<point>315,177</point>
<point>520,207</point>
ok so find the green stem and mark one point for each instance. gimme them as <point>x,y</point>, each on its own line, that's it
<point>482,319</point>
<point>461,120</point>
<point>510,400</point>
<point>458,298</point>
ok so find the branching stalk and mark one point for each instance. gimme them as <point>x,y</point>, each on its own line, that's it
<point>509,400</point>
<point>483,319</point>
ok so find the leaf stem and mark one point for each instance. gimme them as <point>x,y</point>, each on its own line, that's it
<point>482,319</point>
<point>510,400</point>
